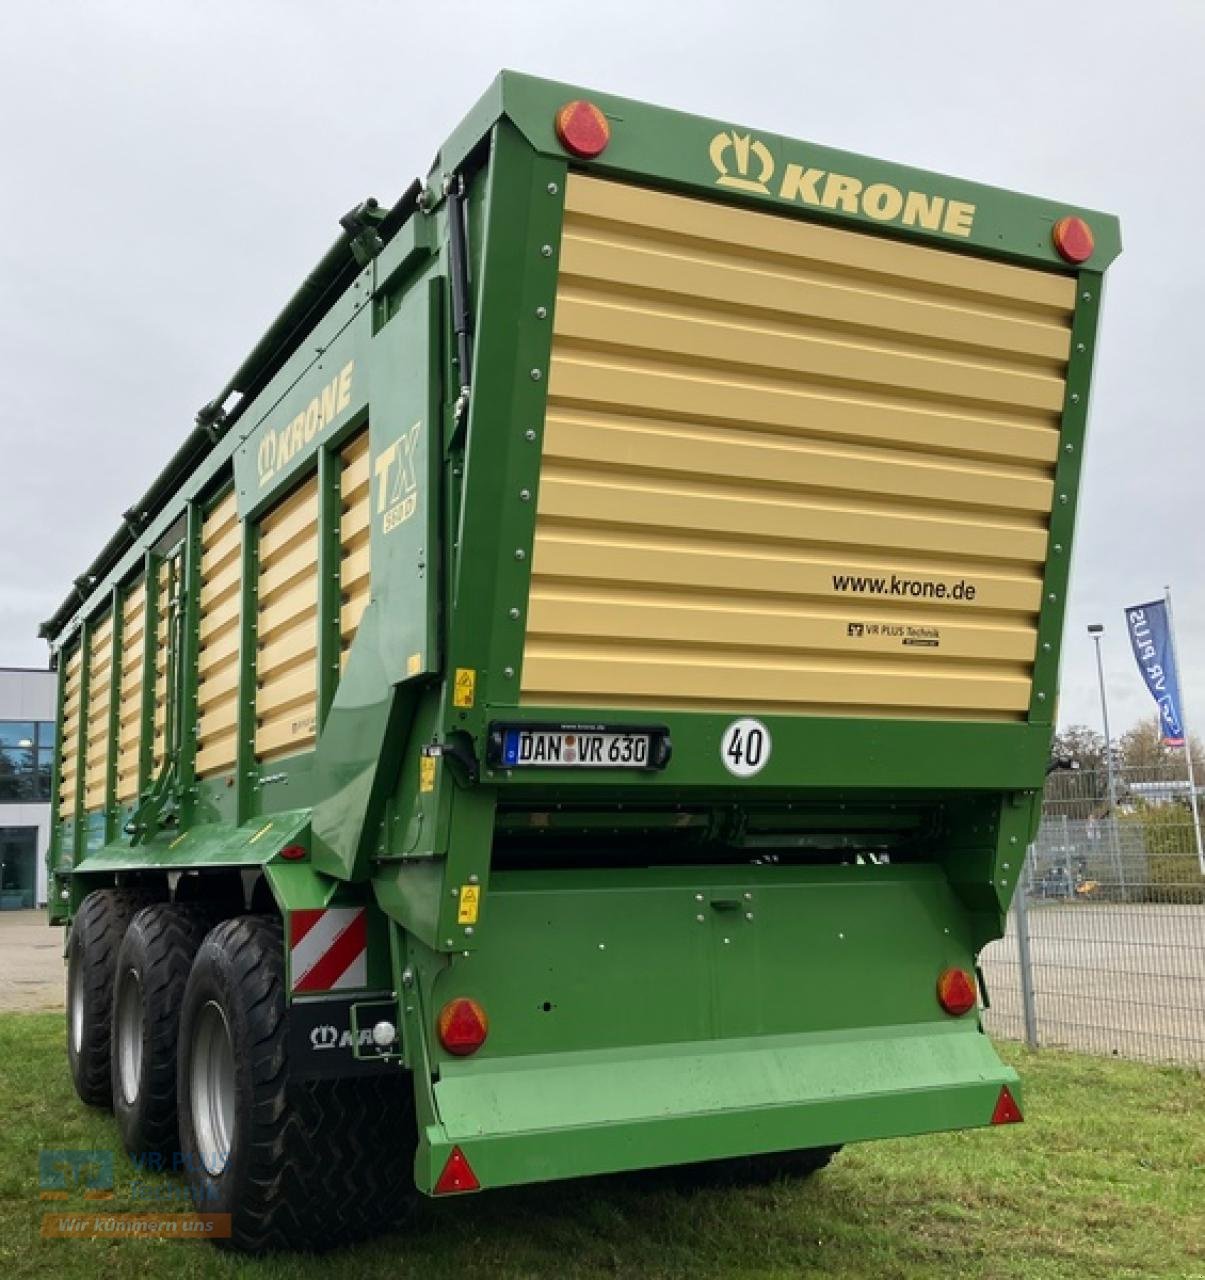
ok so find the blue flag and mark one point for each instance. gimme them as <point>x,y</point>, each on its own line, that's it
<point>1151,640</point>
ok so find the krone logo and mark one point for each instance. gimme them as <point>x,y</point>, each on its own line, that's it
<point>742,162</point>
<point>324,1036</point>
<point>286,441</point>
<point>267,455</point>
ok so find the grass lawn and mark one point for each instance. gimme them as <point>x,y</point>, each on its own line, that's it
<point>1106,1178</point>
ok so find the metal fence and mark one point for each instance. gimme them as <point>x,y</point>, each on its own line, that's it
<point>1105,948</point>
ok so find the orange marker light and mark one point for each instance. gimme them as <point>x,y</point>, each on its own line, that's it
<point>582,129</point>
<point>956,991</point>
<point>463,1026</point>
<point>458,1175</point>
<point>1073,239</point>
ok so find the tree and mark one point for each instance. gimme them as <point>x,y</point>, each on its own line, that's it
<point>1173,874</point>
<point>1084,747</point>
<point>1079,792</point>
<point>1143,748</point>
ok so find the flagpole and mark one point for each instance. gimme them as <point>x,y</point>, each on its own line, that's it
<point>1192,781</point>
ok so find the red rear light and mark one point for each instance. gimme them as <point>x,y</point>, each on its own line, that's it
<point>582,129</point>
<point>457,1175</point>
<point>293,852</point>
<point>463,1026</point>
<point>1007,1111</point>
<point>1073,239</point>
<point>956,991</point>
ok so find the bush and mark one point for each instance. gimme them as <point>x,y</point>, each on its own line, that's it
<point>1173,873</point>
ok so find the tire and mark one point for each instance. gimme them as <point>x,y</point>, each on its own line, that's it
<point>92,947</point>
<point>298,1164</point>
<point>148,988</point>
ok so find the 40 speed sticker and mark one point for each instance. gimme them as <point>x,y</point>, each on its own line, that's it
<point>745,747</point>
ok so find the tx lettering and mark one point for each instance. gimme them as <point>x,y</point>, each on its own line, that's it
<point>397,479</point>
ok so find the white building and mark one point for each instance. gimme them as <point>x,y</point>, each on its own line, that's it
<point>26,762</point>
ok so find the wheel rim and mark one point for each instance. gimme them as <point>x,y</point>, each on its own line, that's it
<point>75,1001</point>
<point>129,1035</point>
<point>211,1092</point>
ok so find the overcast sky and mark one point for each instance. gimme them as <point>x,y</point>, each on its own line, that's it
<point>171,171</point>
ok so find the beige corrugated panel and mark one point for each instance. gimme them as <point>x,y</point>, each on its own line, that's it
<point>97,738</point>
<point>790,467</point>
<point>129,699</point>
<point>354,542</point>
<point>286,665</point>
<point>218,652</point>
<point>69,734</point>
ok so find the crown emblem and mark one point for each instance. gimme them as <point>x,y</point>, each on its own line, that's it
<point>324,1036</point>
<point>742,161</point>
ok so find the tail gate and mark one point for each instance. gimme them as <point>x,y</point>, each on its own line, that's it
<point>698,1013</point>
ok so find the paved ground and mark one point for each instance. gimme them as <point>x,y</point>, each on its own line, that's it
<point>31,962</point>
<point>1114,978</point>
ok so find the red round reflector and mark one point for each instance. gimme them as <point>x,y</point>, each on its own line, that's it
<point>463,1026</point>
<point>956,991</point>
<point>582,129</point>
<point>1073,239</point>
<point>293,852</point>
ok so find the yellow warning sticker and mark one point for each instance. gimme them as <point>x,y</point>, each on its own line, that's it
<point>470,904</point>
<point>426,773</point>
<point>466,687</point>
<point>414,664</point>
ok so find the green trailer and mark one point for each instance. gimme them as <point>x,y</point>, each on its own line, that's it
<point>579,698</point>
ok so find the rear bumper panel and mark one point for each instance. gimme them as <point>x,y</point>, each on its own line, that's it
<point>553,1116</point>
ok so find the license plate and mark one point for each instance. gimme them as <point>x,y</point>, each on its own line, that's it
<point>562,748</point>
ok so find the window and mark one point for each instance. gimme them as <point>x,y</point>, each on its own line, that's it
<point>18,867</point>
<point>26,761</point>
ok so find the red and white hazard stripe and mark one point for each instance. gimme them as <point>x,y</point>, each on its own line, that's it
<point>328,948</point>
